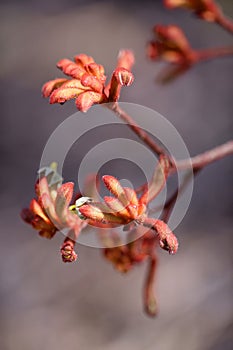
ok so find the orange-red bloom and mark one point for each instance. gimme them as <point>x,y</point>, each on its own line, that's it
<point>170,45</point>
<point>124,257</point>
<point>87,85</point>
<point>37,217</point>
<point>67,250</point>
<point>125,208</point>
<point>205,9</point>
<point>49,211</point>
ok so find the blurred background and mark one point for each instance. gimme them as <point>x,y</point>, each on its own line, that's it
<point>87,305</point>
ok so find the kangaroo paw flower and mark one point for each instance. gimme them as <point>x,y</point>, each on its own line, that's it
<point>87,83</point>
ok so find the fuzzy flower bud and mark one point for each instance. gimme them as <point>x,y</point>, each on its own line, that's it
<point>67,251</point>
<point>205,9</point>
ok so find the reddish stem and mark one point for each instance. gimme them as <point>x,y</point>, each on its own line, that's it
<point>136,129</point>
<point>169,205</point>
<point>209,54</point>
<point>225,23</point>
<point>208,157</point>
<point>196,162</point>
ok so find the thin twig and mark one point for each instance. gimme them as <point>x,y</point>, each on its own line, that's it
<point>136,129</point>
<point>209,54</point>
<point>196,162</point>
<point>208,157</point>
<point>169,205</point>
<point>225,23</point>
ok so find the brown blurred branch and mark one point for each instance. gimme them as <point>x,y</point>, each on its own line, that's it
<point>209,54</point>
<point>136,129</point>
<point>196,162</point>
<point>208,157</point>
<point>225,23</point>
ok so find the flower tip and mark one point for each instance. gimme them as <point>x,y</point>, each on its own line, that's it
<point>106,177</point>
<point>52,85</point>
<point>124,77</point>
<point>111,183</point>
<point>61,63</point>
<point>91,212</point>
<point>67,251</point>
<point>170,243</point>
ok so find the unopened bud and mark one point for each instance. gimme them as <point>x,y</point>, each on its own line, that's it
<point>67,251</point>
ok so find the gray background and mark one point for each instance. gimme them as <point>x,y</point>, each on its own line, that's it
<point>87,305</point>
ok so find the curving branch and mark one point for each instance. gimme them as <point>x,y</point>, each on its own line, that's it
<point>208,157</point>
<point>225,23</point>
<point>197,162</point>
<point>209,54</point>
<point>143,135</point>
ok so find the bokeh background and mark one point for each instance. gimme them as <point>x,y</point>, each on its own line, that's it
<point>87,305</point>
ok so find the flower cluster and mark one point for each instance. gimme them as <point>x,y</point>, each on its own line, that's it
<point>205,9</point>
<point>125,208</point>
<point>55,208</point>
<point>49,211</point>
<point>124,257</point>
<point>87,84</point>
<point>170,45</point>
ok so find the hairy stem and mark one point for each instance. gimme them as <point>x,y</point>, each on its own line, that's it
<point>209,54</point>
<point>208,157</point>
<point>197,162</point>
<point>143,135</point>
<point>169,205</point>
<point>225,23</point>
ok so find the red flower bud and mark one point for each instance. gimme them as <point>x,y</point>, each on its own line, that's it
<point>120,77</point>
<point>205,9</point>
<point>167,239</point>
<point>170,45</point>
<point>114,186</point>
<point>124,77</point>
<point>67,251</point>
<point>100,213</point>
